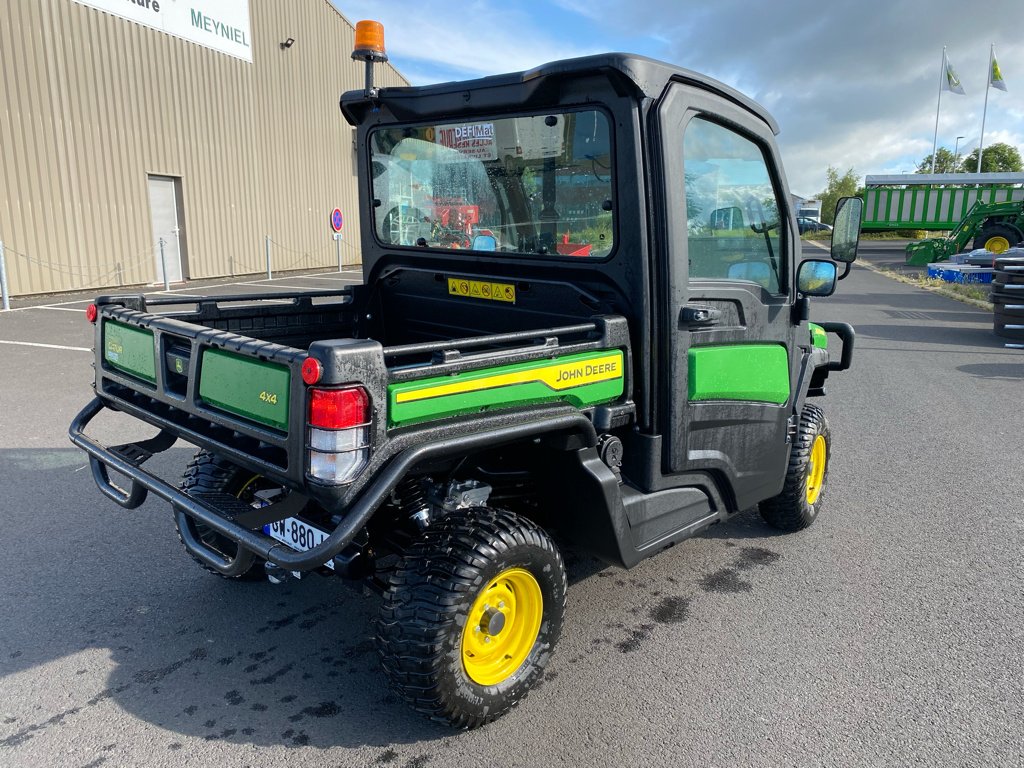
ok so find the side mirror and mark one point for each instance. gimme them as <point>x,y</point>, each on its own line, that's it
<point>817,277</point>
<point>484,243</point>
<point>846,229</point>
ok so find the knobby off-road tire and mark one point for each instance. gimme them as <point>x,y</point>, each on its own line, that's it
<point>800,500</point>
<point>207,473</point>
<point>471,616</point>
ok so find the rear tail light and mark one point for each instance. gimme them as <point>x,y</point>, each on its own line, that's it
<point>91,313</point>
<point>339,434</point>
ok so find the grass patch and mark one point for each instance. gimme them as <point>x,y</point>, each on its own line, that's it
<point>900,234</point>
<point>903,234</point>
<point>975,294</point>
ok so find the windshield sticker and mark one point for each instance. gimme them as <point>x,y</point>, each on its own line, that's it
<point>475,140</point>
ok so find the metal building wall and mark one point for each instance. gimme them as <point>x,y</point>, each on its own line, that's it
<point>90,104</point>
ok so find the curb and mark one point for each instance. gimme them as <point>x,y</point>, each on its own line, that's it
<point>941,291</point>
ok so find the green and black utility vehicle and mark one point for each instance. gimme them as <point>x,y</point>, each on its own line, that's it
<point>584,319</point>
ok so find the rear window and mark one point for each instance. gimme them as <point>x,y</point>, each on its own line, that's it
<point>540,184</point>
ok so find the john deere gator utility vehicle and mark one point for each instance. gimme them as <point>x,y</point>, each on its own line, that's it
<point>620,359</point>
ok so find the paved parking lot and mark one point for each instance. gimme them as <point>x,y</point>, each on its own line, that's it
<point>890,633</point>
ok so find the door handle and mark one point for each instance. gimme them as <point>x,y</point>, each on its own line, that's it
<point>700,316</point>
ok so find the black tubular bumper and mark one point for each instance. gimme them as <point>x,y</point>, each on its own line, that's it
<point>845,332</point>
<point>127,460</point>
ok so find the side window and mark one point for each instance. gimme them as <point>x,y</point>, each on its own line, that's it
<point>733,227</point>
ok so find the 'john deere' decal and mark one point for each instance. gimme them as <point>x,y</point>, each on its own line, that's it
<point>582,380</point>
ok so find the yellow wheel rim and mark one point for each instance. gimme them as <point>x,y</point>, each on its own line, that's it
<point>816,470</point>
<point>502,627</point>
<point>997,244</point>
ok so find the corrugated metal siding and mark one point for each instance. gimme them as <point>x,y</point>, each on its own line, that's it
<point>90,104</point>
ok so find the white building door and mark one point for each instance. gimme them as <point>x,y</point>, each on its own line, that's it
<point>165,210</point>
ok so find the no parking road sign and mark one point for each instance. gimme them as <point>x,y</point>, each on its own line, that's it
<point>337,220</point>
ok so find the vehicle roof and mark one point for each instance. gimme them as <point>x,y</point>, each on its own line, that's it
<point>648,76</point>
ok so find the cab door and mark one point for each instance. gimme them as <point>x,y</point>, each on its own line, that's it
<point>730,338</point>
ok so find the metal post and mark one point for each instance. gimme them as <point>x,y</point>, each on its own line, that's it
<point>163,266</point>
<point>337,248</point>
<point>266,244</point>
<point>3,279</point>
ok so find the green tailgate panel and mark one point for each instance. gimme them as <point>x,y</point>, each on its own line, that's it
<point>755,372</point>
<point>129,349</point>
<point>584,379</point>
<point>245,387</point>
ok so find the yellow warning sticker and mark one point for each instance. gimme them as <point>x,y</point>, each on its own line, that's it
<point>479,289</point>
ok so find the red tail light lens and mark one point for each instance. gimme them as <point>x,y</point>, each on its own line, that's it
<point>339,408</point>
<point>91,313</point>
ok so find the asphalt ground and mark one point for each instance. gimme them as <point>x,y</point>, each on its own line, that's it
<point>889,633</point>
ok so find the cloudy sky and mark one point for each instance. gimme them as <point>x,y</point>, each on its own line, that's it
<point>852,83</point>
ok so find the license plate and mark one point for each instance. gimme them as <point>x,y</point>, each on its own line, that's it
<point>298,535</point>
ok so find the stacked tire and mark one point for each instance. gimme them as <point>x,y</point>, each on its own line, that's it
<point>1008,297</point>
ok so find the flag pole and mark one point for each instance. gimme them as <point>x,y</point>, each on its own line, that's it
<point>984,112</point>
<point>935,139</point>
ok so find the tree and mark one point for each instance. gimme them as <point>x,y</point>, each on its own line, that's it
<point>945,162</point>
<point>837,187</point>
<point>997,158</point>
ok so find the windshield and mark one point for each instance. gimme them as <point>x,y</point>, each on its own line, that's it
<point>534,185</point>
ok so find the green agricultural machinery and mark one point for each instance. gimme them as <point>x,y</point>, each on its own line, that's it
<point>997,227</point>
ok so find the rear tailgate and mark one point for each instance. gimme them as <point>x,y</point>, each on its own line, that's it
<point>240,397</point>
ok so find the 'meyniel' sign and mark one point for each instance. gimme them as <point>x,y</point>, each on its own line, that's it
<point>222,25</point>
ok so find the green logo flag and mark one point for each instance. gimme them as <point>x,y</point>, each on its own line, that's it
<point>995,77</point>
<point>952,81</point>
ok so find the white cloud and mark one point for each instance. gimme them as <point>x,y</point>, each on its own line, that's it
<point>852,83</point>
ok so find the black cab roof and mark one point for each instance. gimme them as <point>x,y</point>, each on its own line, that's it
<point>646,77</point>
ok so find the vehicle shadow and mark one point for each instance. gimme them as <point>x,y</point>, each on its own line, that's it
<point>121,615</point>
<point>999,371</point>
<point>114,610</point>
<point>747,524</point>
<point>978,336</point>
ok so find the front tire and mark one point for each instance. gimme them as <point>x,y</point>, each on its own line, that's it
<point>798,504</point>
<point>471,616</point>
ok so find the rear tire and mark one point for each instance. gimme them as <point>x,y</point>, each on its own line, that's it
<point>445,648</point>
<point>997,238</point>
<point>207,473</point>
<point>798,504</point>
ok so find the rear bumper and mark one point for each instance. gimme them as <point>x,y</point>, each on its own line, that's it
<point>244,525</point>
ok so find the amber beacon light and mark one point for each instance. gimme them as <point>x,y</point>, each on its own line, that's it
<point>369,47</point>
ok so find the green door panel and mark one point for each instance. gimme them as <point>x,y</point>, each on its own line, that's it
<point>753,372</point>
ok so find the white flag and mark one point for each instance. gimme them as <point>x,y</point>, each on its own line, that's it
<point>952,81</point>
<point>995,77</point>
